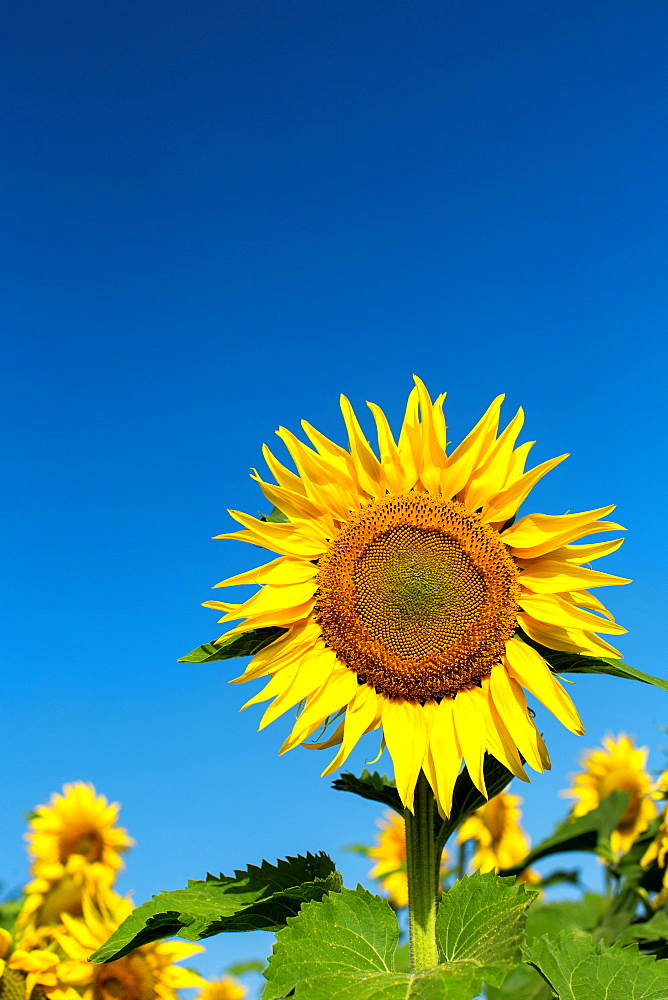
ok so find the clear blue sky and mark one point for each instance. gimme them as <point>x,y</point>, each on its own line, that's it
<point>217,217</point>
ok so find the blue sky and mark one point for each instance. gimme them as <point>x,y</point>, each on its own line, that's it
<point>217,218</point>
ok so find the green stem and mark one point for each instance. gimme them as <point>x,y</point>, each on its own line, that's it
<point>422,870</point>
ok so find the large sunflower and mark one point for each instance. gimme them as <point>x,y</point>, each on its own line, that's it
<point>405,591</point>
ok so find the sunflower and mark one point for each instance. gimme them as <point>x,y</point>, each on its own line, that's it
<point>148,973</point>
<point>495,828</point>
<point>223,989</point>
<point>405,592</point>
<point>390,856</point>
<point>618,766</point>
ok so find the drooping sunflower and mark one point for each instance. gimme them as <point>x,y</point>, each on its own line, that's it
<point>617,766</point>
<point>75,846</point>
<point>405,591</point>
<point>390,857</point>
<point>497,834</point>
<point>147,973</point>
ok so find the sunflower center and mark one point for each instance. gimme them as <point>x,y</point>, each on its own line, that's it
<point>86,841</point>
<point>126,979</point>
<point>418,596</point>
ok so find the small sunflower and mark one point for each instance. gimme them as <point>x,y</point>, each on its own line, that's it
<point>406,589</point>
<point>496,831</point>
<point>77,823</point>
<point>618,766</point>
<point>223,989</point>
<point>390,856</point>
<point>148,973</point>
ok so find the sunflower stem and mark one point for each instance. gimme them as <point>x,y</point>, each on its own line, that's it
<point>422,870</point>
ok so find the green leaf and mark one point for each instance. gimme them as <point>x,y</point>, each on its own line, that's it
<point>9,911</point>
<point>590,832</point>
<point>241,645</point>
<point>523,983</point>
<point>371,785</point>
<point>259,898</point>
<point>481,920</point>
<point>345,947</point>
<point>580,916</point>
<point>242,968</point>
<point>574,663</point>
<point>579,968</point>
<point>650,935</point>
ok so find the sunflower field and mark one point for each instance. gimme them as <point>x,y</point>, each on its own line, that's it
<point>406,597</point>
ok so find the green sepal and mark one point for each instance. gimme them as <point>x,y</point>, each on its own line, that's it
<point>371,785</point>
<point>466,798</point>
<point>345,946</point>
<point>258,898</point>
<point>590,832</point>
<point>275,516</point>
<point>248,644</point>
<point>579,968</point>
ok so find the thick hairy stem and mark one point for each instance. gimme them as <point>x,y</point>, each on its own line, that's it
<point>422,866</point>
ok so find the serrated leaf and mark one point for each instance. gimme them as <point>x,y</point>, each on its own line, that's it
<point>247,644</point>
<point>345,947</point>
<point>579,968</point>
<point>259,898</point>
<point>590,832</point>
<point>371,785</point>
<point>574,663</point>
<point>481,920</point>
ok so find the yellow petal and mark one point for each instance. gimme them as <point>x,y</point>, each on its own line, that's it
<point>553,610</point>
<point>405,730</point>
<point>443,761</point>
<point>312,671</point>
<point>549,576</point>
<point>328,699</point>
<point>511,705</point>
<point>464,460</point>
<point>568,640</point>
<point>366,465</point>
<point>529,668</point>
<point>536,534</point>
<point>470,726</point>
<point>359,718</point>
<point>506,502</point>
<point>491,476</point>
